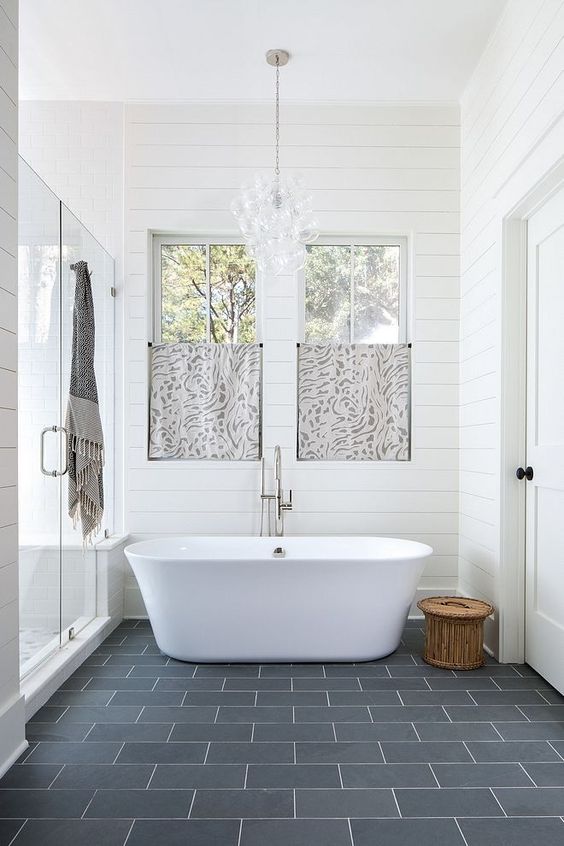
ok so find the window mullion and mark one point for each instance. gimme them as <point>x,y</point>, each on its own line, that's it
<point>208,294</point>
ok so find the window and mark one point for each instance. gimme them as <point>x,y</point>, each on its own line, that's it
<point>205,291</point>
<point>355,292</point>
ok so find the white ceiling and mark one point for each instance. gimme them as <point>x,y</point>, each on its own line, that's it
<point>363,50</point>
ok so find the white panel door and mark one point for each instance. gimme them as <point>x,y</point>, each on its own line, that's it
<point>545,442</point>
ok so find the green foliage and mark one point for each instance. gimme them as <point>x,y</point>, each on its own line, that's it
<point>185,293</point>
<point>328,270</point>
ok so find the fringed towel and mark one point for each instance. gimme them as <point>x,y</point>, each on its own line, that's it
<point>206,401</point>
<point>353,402</point>
<point>85,442</point>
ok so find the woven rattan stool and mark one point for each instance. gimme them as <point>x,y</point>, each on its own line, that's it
<point>454,631</point>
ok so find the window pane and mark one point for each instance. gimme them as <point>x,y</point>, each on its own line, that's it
<point>376,294</point>
<point>232,275</point>
<point>327,294</point>
<point>183,293</point>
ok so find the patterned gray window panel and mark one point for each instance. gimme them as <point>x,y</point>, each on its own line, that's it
<point>353,402</point>
<point>206,401</point>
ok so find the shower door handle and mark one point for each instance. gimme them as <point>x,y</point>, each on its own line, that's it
<point>44,470</point>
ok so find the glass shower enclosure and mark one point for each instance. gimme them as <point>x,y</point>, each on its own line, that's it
<point>57,574</point>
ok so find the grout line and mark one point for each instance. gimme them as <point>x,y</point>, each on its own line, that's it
<point>529,776</point>
<point>184,698</point>
<point>334,732</point>
<point>17,833</point>
<point>350,831</point>
<point>472,698</point>
<point>396,801</point>
<point>294,747</point>
<point>434,775</point>
<point>240,832</point>
<point>170,733</point>
<point>207,752</point>
<point>294,797</point>
<point>497,800</point>
<point>399,697</point>
<point>461,832</point>
<point>540,693</point>
<point>498,732</point>
<point>246,776</point>
<point>191,805</point>
<point>119,752</point>
<point>92,727</point>
<point>253,733</point>
<point>114,693</point>
<point>88,805</point>
<point>151,777</point>
<point>157,680</point>
<point>556,750</point>
<point>140,712</point>
<point>56,777</point>
<point>522,712</point>
<point>216,714</point>
<point>129,832</point>
<point>464,742</point>
<point>496,684</point>
<point>447,714</point>
<point>340,776</point>
<point>382,752</point>
<point>416,732</point>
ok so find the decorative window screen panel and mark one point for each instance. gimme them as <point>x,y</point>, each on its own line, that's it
<point>354,402</point>
<point>206,402</point>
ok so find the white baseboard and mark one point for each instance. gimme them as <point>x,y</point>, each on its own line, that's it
<point>12,733</point>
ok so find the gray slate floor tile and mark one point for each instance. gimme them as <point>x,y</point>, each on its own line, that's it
<point>310,832</point>
<point>129,732</point>
<point>387,775</point>
<point>237,804</point>
<point>293,732</point>
<point>338,753</point>
<point>293,775</point>
<point>526,750</point>
<point>30,776</point>
<point>375,731</point>
<point>184,833</point>
<point>513,832</point>
<point>55,732</point>
<point>456,731</point>
<point>425,752</point>
<point>346,803</point>
<point>162,753</point>
<point>8,830</point>
<point>53,804</point>
<point>192,776</point>
<point>406,833</point>
<point>531,801</point>
<point>72,832</point>
<point>546,775</point>
<point>74,753</point>
<point>531,731</point>
<point>481,775</point>
<point>448,802</point>
<point>147,804</point>
<point>337,714</point>
<point>208,732</point>
<point>250,753</point>
<point>97,776</point>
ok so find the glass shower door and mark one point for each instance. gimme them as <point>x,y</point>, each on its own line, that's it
<point>41,440</point>
<point>78,563</point>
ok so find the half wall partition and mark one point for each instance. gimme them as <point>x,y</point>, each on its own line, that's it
<point>57,576</point>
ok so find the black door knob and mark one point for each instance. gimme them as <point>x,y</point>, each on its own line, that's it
<point>526,473</point>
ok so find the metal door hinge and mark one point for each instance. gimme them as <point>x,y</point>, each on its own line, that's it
<point>71,633</point>
<point>113,292</point>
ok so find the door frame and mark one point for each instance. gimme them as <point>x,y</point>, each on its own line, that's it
<point>516,205</point>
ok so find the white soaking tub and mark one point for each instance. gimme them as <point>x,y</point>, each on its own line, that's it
<point>230,599</point>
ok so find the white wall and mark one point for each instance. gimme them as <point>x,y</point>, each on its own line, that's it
<point>513,102</point>
<point>373,170</point>
<point>11,704</point>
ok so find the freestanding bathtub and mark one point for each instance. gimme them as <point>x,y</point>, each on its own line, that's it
<point>230,599</point>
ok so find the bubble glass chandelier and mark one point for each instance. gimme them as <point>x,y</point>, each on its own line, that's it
<point>276,216</point>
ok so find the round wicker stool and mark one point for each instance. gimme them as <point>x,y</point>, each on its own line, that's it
<point>454,631</point>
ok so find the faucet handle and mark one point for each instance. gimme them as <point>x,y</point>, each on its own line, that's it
<point>287,506</point>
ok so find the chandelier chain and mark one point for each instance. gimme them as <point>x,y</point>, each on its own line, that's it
<point>277,133</point>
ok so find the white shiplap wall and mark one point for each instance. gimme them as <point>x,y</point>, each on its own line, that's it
<point>11,704</point>
<point>514,99</point>
<point>380,169</point>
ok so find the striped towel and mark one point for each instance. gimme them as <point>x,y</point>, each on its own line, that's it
<point>85,440</point>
